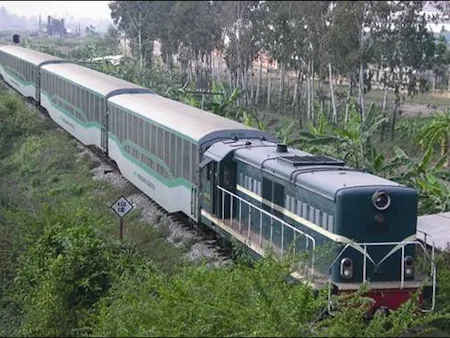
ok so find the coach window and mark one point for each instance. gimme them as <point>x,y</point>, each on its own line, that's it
<point>54,85</point>
<point>123,124</point>
<point>167,147</point>
<point>77,96</point>
<point>147,136</point>
<point>173,153</point>
<point>120,123</point>
<point>160,142</point>
<point>140,138</point>
<point>59,88</point>
<point>62,89</point>
<point>194,163</point>
<point>114,122</point>
<point>154,140</point>
<point>129,126</point>
<point>135,132</point>
<point>179,157</point>
<point>83,102</point>
<point>92,105</point>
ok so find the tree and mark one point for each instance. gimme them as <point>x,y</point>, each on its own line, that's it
<point>112,37</point>
<point>130,17</point>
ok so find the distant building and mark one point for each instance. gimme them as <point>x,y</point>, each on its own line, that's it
<point>55,27</point>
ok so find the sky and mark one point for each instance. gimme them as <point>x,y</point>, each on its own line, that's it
<point>78,9</point>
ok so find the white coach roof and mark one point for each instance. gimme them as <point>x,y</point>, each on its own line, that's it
<point>91,79</point>
<point>199,125</point>
<point>29,55</point>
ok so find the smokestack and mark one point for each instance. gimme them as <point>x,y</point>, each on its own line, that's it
<point>40,24</point>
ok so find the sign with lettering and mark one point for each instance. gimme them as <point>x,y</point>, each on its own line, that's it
<point>122,207</point>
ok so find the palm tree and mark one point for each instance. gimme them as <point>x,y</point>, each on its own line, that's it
<point>437,131</point>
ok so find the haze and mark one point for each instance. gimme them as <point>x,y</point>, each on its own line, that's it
<point>78,9</point>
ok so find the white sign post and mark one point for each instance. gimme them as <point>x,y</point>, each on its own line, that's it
<point>122,207</point>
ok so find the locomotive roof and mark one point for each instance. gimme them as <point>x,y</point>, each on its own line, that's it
<point>323,179</point>
<point>29,55</point>
<point>91,79</point>
<point>199,125</point>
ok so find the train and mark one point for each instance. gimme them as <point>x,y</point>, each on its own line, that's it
<point>348,227</point>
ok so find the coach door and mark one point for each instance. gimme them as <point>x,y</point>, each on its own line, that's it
<point>227,180</point>
<point>273,197</point>
<point>213,200</point>
<point>104,133</point>
<point>207,186</point>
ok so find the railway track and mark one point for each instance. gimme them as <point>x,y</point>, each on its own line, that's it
<point>201,234</point>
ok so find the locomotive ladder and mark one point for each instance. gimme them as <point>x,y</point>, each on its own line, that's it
<point>250,224</point>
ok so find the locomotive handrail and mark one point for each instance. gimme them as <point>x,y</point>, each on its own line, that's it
<point>402,280</point>
<point>272,219</point>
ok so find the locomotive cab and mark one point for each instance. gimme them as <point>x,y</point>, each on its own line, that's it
<point>381,221</point>
<point>353,227</point>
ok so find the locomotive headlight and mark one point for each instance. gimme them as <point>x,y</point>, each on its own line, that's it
<point>381,200</point>
<point>409,266</point>
<point>346,268</point>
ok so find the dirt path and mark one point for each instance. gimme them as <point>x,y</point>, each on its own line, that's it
<point>410,109</point>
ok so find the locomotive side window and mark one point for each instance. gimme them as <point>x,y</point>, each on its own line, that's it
<point>330,223</point>
<point>311,214</point>
<point>299,208</point>
<point>317,218</point>
<point>324,221</point>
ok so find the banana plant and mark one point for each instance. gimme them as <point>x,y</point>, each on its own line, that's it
<point>285,131</point>
<point>426,177</point>
<point>351,144</point>
<point>437,132</point>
